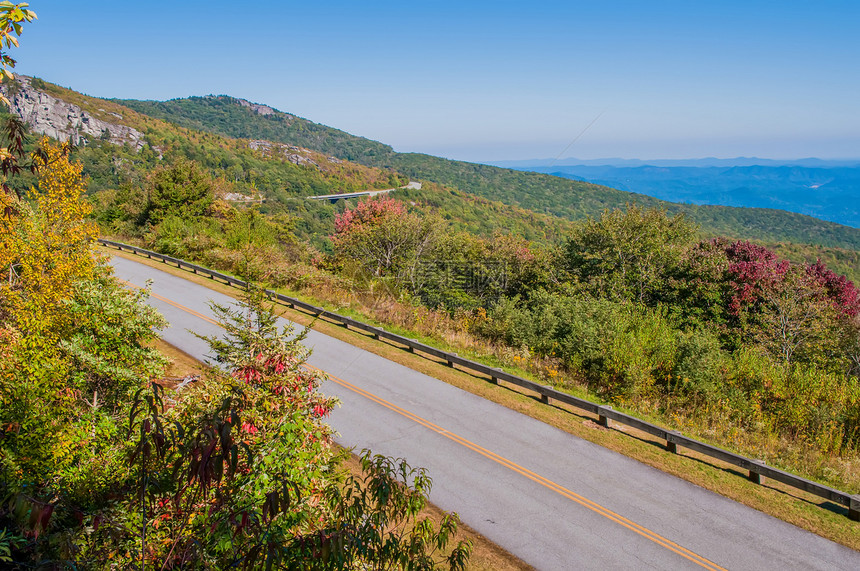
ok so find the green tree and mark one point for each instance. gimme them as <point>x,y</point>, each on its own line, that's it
<point>627,254</point>
<point>181,190</point>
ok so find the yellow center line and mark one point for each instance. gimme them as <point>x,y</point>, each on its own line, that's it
<point>537,478</point>
<point>619,519</point>
<point>174,304</point>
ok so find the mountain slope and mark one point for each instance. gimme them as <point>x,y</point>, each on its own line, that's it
<point>537,192</point>
<point>120,147</point>
<point>244,120</point>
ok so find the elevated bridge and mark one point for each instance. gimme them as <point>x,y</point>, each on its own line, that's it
<point>345,195</point>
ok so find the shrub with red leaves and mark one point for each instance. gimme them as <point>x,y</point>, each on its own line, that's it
<point>754,270</point>
<point>367,212</point>
<point>841,291</point>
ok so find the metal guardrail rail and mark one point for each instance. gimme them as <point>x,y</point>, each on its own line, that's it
<point>606,415</point>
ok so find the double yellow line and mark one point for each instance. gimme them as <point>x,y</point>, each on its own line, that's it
<point>585,502</point>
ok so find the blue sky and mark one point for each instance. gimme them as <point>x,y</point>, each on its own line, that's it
<point>492,80</point>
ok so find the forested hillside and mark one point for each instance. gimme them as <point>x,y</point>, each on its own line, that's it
<point>278,176</point>
<point>537,192</point>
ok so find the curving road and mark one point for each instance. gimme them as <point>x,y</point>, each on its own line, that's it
<point>552,499</point>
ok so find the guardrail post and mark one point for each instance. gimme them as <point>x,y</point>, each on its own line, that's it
<point>451,363</point>
<point>755,477</point>
<point>493,378</point>
<point>854,508</point>
<point>376,334</point>
<point>544,398</point>
<point>602,419</point>
<point>671,445</point>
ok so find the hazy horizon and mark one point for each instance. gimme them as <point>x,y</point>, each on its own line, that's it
<point>574,161</point>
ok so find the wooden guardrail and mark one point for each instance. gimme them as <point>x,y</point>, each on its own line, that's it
<point>757,470</point>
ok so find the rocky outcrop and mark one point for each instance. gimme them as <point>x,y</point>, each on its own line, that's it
<point>296,155</point>
<point>47,115</point>
<point>256,107</point>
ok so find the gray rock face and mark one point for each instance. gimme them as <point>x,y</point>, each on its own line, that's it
<point>256,107</point>
<point>296,155</point>
<point>47,115</point>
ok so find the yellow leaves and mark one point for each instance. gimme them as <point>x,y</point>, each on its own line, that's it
<point>11,16</point>
<point>47,247</point>
<point>8,340</point>
<point>9,245</point>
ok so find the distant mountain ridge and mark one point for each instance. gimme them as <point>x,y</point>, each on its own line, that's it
<point>829,192</point>
<point>240,118</point>
<point>703,162</point>
<point>278,176</point>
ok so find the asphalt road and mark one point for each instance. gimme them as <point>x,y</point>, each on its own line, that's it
<point>554,500</point>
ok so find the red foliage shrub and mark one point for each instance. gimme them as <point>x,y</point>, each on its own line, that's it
<point>841,291</point>
<point>367,211</point>
<point>754,270</point>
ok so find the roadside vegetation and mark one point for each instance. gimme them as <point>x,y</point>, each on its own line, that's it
<point>105,465</point>
<point>720,338</point>
<point>102,467</point>
<point>630,304</point>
